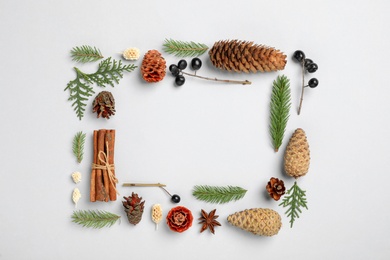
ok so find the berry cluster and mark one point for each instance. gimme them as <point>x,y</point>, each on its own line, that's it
<point>177,70</point>
<point>307,66</point>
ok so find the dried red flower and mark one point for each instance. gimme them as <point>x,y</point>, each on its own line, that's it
<point>276,188</point>
<point>179,219</point>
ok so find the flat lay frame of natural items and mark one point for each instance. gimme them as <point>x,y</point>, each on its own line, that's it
<point>230,55</point>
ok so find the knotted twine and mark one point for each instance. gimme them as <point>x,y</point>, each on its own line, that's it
<point>103,158</point>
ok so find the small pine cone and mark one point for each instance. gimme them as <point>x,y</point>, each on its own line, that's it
<point>134,208</point>
<point>243,56</point>
<point>297,155</point>
<point>275,188</point>
<point>153,66</point>
<point>104,104</point>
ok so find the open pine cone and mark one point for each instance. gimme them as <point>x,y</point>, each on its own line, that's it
<point>153,66</point>
<point>275,188</point>
<point>104,104</point>
<point>243,56</point>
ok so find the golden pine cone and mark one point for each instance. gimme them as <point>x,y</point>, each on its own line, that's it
<point>262,222</point>
<point>153,66</point>
<point>238,56</point>
<point>297,155</point>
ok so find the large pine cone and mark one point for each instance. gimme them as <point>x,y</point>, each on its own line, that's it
<point>153,66</point>
<point>297,155</point>
<point>243,56</point>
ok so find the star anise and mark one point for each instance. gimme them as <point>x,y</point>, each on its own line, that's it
<point>209,221</point>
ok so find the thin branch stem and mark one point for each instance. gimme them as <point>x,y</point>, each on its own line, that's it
<point>144,185</point>
<point>303,86</point>
<point>245,82</point>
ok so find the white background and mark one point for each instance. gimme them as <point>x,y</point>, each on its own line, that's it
<point>200,133</point>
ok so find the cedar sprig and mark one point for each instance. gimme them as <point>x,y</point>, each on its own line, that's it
<point>280,109</point>
<point>184,49</point>
<point>218,194</point>
<point>78,145</point>
<point>108,73</point>
<point>295,198</point>
<point>85,54</point>
<point>94,218</point>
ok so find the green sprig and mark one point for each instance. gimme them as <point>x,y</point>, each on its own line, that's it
<point>184,49</point>
<point>218,194</point>
<point>78,146</point>
<point>85,54</point>
<point>280,109</point>
<point>94,219</point>
<point>108,73</point>
<point>295,198</point>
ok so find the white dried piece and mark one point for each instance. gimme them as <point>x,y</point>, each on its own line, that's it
<point>156,214</point>
<point>76,176</point>
<point>76,196</point>
<point>131,54</point>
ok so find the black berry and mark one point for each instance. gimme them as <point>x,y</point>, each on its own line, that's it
<point>313,83</point>
<point>175,198</point>
<point>299,55</point>
<point>180,81</point>
<point>174,70</point>
<point>196,63</point>
<point>312,67</point>
<point>182,64</point>
<point>308,62</point>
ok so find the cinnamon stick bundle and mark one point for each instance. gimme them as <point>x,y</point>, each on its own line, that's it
<point>103,179</point>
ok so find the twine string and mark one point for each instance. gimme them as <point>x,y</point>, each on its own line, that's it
<point>103,158</point>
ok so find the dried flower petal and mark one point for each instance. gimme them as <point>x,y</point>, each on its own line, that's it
<point>76,195</point>
<point>76,176</point>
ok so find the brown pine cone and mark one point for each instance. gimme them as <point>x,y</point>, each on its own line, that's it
<point>243,56</point>
<point>179,219</point>
<point>153,66</point>
<point>275,188</point>
<point>297,155</point>
<point>104,104</point>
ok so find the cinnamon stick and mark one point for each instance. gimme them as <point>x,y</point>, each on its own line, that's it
<point>92,193</point>
<point>110,139</point>
<point>106,179</point>
<point>100,189</point>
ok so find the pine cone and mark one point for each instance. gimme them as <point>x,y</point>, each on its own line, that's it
<point>263,222</point>
<point>297,155</point>
<point>104,104</point>
<point>179,219</point>
<point>134,208</point>
<point>153,66</point>
<point>276,188</point>
<point>238,56</point>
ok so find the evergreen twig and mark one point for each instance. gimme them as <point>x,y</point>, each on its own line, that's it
<point>94,219</point>
<point>295,198</point>
<point>85,54</point>
<point>184,49</point>
<point>78,146</point>
<point>108,73</point>
<point>280,109</point>
<point>218,194</point>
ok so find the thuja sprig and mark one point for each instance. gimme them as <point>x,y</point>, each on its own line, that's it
<point>78,146</point>
<point>218,194</point>
<point>108,73</point>
<point>294,199</point>
<point>85,54</point>
<point>94,219</point>
<point>184,49</point>
<point>279,110</point>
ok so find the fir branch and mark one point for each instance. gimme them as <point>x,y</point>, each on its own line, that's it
<point>184,49</point>
<point>78,146</point>
<point>108,73</point>
<point>85,54</point>
<point>295,198</point>
<point>94,219</point>
<point>218,194</point>
<point>280,109</point>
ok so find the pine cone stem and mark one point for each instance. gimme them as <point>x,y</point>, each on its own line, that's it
<point>303,86</point>
<point>245,82</point>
